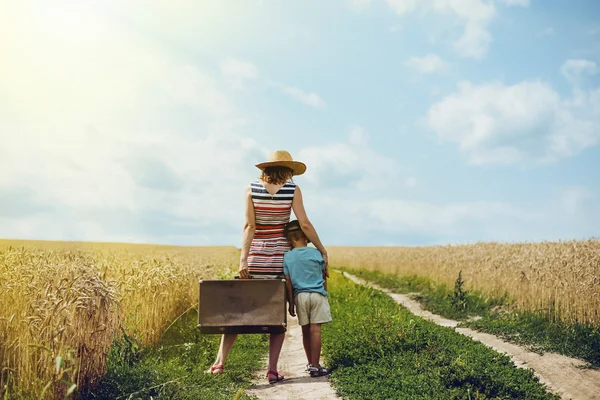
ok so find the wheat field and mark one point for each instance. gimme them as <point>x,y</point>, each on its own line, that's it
<point>561,279</point>
<point>63,303</point>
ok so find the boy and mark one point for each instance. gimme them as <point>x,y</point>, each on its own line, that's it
<point>303,268</point>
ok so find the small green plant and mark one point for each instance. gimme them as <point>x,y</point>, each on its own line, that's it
<point>459,296</point>
<point>5,389</point>
<point>127,349</point>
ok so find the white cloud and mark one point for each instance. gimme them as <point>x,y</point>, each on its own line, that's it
<point>476,11</point>
<point>359,5</point>
<point>353,165</point>
<point>574,69</point>
<point>548,31</point>
<point>497,124</point>
<point>474,42</point>
<point>123,140</point>
<point>108,142</point>
<point>593,30</point>
<point>395,221</point>
<point>309,98</point>
<point>395,28</point>
<point>475,16</point>
<point>428,64</point>
<point>187,85</point>
<point>402,6</point>
<point>359,191</point>
<point>522,3</point>
<point>237,72</point>
<point>358,137</point>
<point>411,181</point>
<point>575,199</point>
<point>127,140</point>
<point>99,187</point>
<point>446,219</point>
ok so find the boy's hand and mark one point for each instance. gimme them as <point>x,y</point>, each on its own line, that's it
<point>291,310</point>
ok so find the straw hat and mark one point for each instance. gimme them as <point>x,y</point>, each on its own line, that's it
<point>282,158</point>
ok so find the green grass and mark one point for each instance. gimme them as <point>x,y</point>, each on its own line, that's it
<point>379,350</point>
<point>538,331</point>
<point>173,369</point>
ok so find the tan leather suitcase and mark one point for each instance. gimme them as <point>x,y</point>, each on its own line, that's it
<point>242,306</point>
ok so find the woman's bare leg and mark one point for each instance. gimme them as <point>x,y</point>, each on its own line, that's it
<point>275,345</point>
<point>306,341</point>
<point>227,342</point>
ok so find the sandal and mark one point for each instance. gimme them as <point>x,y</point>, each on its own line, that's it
<point>215,367</point>
<point>278,378</point>
<point>318,371</point>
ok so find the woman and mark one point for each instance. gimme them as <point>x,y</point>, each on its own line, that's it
<point>269,202</point>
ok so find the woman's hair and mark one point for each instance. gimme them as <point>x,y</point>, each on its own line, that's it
<point>276,175</point>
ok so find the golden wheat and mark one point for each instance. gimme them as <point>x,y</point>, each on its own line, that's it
<point>561,279</point>
<point>62,304</point>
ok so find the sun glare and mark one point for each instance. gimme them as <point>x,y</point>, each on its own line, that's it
<point>68,18</point>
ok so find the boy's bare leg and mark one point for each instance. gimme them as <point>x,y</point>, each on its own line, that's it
<point>306,341</point>
<point>275,345</point>
<point>227,342</point>
<point>315,343</point>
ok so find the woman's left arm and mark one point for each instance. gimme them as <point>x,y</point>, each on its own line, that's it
<point>307,227</point>
<point>247,236</point>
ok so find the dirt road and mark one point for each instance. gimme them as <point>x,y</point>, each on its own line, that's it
<point>298,385</point>
<point>563,375</point>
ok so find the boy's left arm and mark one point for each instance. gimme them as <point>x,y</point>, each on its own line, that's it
<point>290,298</point>
<point>325,273</point>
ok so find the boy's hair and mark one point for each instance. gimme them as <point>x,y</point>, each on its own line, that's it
<point>292,231</point>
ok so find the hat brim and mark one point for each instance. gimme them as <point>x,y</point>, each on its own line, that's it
<point>298,167</point>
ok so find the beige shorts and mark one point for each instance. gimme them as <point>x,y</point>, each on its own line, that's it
<point>312,308</point>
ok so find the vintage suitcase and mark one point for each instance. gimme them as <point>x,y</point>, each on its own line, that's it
<point>242,306</point>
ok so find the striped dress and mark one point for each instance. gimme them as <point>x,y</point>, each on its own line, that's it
<point>265,259</point>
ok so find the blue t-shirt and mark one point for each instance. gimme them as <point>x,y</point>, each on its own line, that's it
<point>304,266</point>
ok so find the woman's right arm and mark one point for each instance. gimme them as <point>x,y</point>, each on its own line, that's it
<point>307,227</point>
<point>247,236</point>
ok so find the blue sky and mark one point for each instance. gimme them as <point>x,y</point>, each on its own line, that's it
<point>421,122</point>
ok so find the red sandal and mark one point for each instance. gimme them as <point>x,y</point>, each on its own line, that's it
<point>214,368</point>
<point>278,378</point>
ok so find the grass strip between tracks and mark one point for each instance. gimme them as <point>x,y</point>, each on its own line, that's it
<point>379,350</point>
